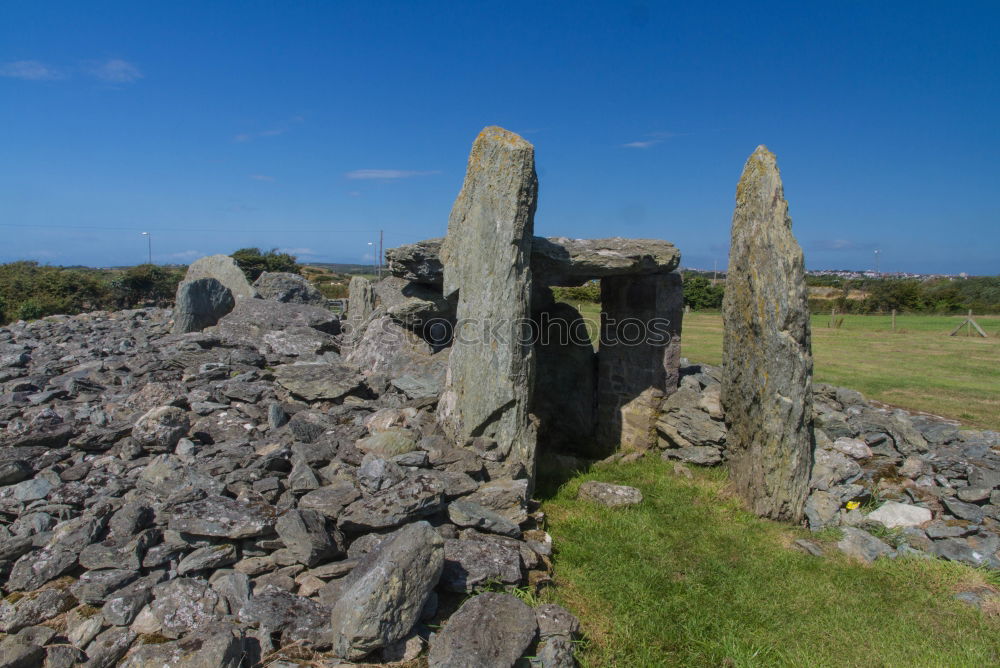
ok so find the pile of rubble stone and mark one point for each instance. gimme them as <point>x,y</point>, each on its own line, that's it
<point>242,494</point>
<point>917,483</point>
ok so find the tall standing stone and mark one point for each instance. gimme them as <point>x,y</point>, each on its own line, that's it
<point>767,356</point>
<point>360,306</point>
<point>487,256</point>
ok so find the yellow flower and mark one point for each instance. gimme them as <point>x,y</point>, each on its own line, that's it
<point>853,505</point>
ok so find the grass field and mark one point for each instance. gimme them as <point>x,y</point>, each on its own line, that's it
<point>688,578</point>
<point>917,367</point>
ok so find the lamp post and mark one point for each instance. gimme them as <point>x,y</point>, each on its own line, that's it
<point>372,244</point>
<point>876,264</point>
<point>149,244</point>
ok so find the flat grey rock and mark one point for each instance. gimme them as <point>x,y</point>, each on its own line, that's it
<point>487,631</point>
<point>223,517</point>
<point>606,494</point>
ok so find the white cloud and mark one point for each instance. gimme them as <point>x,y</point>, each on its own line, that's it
<point>386,174</point>
<point>261,177</point>
<point>840,245</point>
<point>114,70</point>
<point>29,70</point>
<point>642,144</point>
<point>654,139</point>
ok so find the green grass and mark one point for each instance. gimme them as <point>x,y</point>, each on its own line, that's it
<point>918,367</point>
<point>688,578</point>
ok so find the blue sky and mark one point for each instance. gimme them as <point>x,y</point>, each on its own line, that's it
<point>309,126</point>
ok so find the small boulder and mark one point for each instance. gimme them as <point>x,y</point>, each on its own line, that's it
<point>160,429</point>
<point>606,494</point>
<point>286,287</point>
<point>893,514</point>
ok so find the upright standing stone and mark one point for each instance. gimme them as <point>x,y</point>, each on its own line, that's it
<point>638,363</point>
<point>767,357</point>
<point>199,304</point>
<point>224,269</point>
<point>360,306</point>
<point>486,257</point>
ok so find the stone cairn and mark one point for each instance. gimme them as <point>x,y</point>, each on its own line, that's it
<point>767,358</point>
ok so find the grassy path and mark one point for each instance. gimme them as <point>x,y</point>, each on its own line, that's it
<point>688,578</point>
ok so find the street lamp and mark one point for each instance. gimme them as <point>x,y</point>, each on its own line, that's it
<point>374,255</point>
<point>876,263</point>
<point>149,244</point>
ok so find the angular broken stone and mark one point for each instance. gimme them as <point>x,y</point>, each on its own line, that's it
<point>314,382</point>
<point>282,286</point>
<point>892,514</point>
<point>224,269</point>
<point>767,354</point>
<point>223,517</point>
<point>418,496</point>
<point>331,499</point>
<point>470,563</point>
<point>183,605</point>
<point>486,257</point>
<point>466,513</point>
<point>161,428</point>
<point>383,596</point>
<point>488,630</point>
<point>307,537</point>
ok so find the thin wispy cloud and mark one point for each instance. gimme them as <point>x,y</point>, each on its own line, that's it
<point>115,71</point>
<point>387,174</point>
<point>186,255</point>
<point>652,139</point>
<point>275,131</point>
<point>29,70</point>
<point>840,245</point>
<point>261,177</point>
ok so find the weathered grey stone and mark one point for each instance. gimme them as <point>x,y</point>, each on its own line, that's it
<point>300,342</point>
<point>419,262</point>
<point>161,428</point>
<point>33,608</point>
<point>384,594</point>
<point>298,619</point>
<point>703,455</point>
<point>862,545</point>
<point>420,495</point>
<point>606,494</point>
<point>508,498</point>
<point>360,307</point>
<point>307,537</point>
<point>682,424</point>
<point>208,557</point>
<point>183,605</point>
<point>486,256</point>
<point>489,631</point>
<point>470,563</point>
<point>554,261</point>
<point>218,646</point>
<point>285,287</point>
<point>107,648</point>
<point>892,514</point>
<point>200,303</point>
<point>386,347</point>
<point>222,517</point>
<point>412,304</point>
<point>822,510</point>
<point>331,499</point>
<point>767,356</point>
<point>465,513</point>
<point>223,269</point>
<point>20,653</point>
<point>314,382</point>
<point>832,468</point>
<point>251,319</point>
<point>965,511</point>
<point>389,443</point>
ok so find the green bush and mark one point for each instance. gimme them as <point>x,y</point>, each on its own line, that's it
<point>701,294</point>
<point>255,262</point>
<point>30,310</point>
<point>589,292</point>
